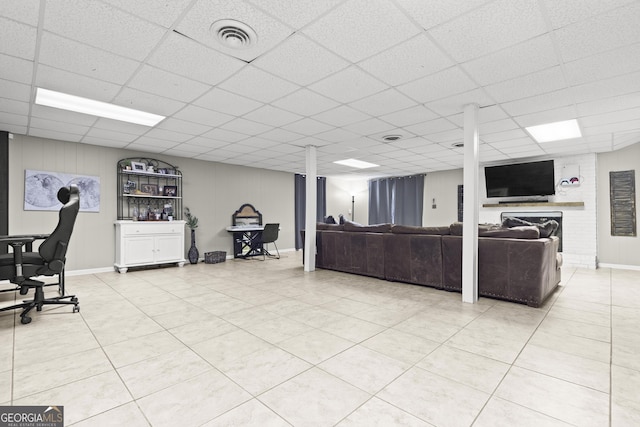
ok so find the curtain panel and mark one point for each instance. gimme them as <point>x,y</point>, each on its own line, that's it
<point>397,200</point>
<point>300,190</point>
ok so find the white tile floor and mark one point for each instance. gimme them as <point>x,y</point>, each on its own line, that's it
<point>252,343</point>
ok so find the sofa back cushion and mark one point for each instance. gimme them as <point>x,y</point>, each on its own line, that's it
<point>374,228</point>
<point>495,230</point>
<point>334,227</point>
<point>412,229</point>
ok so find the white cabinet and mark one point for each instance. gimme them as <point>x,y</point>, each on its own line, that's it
<point>141,243</point>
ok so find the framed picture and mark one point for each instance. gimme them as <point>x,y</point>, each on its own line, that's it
<point>162,171</point>
<point>170,190</point>
<point>138,166</point>
<point>150,189</point>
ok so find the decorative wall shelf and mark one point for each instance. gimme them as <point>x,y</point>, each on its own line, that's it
<point>534,204</point>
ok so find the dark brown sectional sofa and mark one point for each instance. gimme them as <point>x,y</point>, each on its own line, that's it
<point>514,264</point>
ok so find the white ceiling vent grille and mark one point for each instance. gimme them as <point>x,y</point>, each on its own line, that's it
<point>234,34</point>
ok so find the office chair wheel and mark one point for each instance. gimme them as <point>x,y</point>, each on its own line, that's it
<point>25,320</point>
<point>76,308</point>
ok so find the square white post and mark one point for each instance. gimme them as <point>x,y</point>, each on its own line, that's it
<point>470,206</point>
<point>310,209</point>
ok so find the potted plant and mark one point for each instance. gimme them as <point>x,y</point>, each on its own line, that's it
<point>192,223</point>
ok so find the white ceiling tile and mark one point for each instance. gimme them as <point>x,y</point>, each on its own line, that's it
<point>15,91</point>
<point>17,39</point>
<point>148,102</point>
<point>415,58</point>
<point>547,116</point>
<point>101,25</point>
<point>118,126</point>
<point>272,116</point>
<point>601,66</point>
<point>207,142</point>
<point>485,115</point>
<point>281,135</point>
<point>7,127</point>
<point>75,84</point>
<point>453,105</point>
<point>440,85</point>
<point>379,26</point>
<point>159,143</point>
<point>608,128</point>
<point>307,127</point>
<point>225,135</point>
<point>524,58</point>
<point>226,102</point>
<point>54,125</point>
<point>78,58</point>
<point>497,126</point>
<point>489,28</point>
<point>14,119</point>
<point>63,115</point>
<point>163,13</point>
<point>386,102</point>
<point>301,61</point>
<point>430,13</point>
<point>503,136</point>
<point>369,126</point>
<point>348,85</point>
<point>341,116</point>
<point>62,136</point>
<point>454,135</point>
<point>257,143</point>
<point>305,102</point>
<point>246,127</point>
<point>287,148</point>
<point>189,58</point>
<point>182,126</point>
<point>189,149</point>
<point>567,12</point>
<point>13,106</point>
<point>26,11</point>
<point>197,22</point>
<point>336,135</point>
<point>551,100</point>
<point>615,117</point>
<point>175,137</point>
<point>513,142</point>
<point>432,126</point>
<point>409,116</point>
<point>602,89</point>
<point>595,35</point>
<point>110,135</point>
<point>16,69</point>
<point>149,147</point>
<point>163,83</point>
<point>608,105</point>
<point>203,116</point>
<point>537,83</point>
<point>257,84</point>
<point>296,13</point>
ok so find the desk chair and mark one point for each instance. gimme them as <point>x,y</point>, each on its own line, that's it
<point>270,235</point>
<point>20,267</point>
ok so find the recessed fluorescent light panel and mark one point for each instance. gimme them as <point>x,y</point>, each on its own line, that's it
<point>356,163</point>
<point>557,131</point>
<point>78,104</point>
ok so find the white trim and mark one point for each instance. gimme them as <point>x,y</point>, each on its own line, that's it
<point>619,266</point>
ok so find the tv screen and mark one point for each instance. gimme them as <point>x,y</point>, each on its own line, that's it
<point>521,179</point>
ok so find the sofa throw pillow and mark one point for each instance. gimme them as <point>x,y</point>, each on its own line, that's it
<point>373,228</point>
<point>520,232</point>
<point>456,228</point>
<point>547,228</point>
<point>330,220</point>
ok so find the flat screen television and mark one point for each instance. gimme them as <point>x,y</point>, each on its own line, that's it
<point>521,179</point>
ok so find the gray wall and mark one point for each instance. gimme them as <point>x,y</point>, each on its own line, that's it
<point>213,191</point>
<point>624,251</point>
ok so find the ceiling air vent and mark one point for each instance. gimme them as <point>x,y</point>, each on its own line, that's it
<point>391,138</point>
<point>234,34</point>
<point>457,144</point>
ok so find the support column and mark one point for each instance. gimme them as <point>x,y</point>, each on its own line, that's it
<point>310,209</point>
<point>470,205</point>
<point>4,187</point>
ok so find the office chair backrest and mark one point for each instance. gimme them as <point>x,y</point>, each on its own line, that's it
<point>54,248</point>
<point>270,233</point>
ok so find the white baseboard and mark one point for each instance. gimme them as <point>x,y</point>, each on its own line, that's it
<point>619,266</point>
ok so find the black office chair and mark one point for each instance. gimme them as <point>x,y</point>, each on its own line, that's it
<point>21,266</point>
<point>270,235</point>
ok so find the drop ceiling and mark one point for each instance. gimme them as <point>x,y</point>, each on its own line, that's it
<point>335,74</point>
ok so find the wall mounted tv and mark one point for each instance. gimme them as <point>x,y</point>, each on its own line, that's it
<point>521,179</point>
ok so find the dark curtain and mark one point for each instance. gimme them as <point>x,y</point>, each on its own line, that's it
<point>397,200</point>
<point>301,200</point>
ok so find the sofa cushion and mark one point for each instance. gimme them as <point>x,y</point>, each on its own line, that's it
<point>522,232</point>
<point>412,229</point>
<point>547,228</point>
<point>334,227</point>
<point>374,228</point>
<point>456,228</point>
